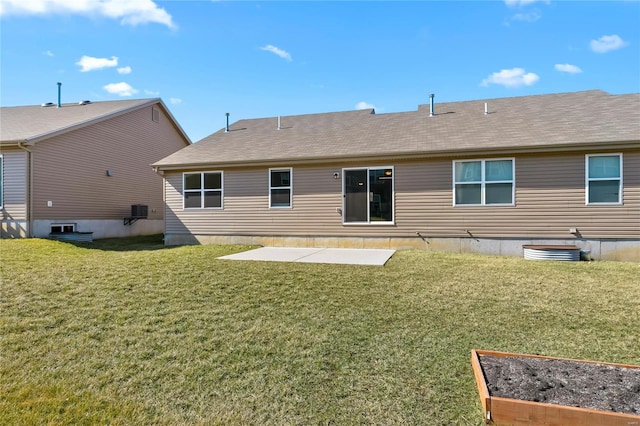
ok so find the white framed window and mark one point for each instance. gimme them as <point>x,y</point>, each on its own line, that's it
<point>1,182</point>
<point>203,190</point>
<point>488,182</point>
<point>368,196</point>
<point>280,188</point>
<point>59,228</point>
<point>603,179</point>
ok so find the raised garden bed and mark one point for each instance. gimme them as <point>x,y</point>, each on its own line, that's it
<point>521,389</point>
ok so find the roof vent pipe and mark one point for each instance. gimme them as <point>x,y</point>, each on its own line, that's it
<point>59,86</point>
<point>486,109</point>
<point>279,123</point>
<point>431,96</point>
<point>226,129</point>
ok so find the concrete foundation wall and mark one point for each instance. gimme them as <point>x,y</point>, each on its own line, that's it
<point>619,250</point>
<point>102,228</point>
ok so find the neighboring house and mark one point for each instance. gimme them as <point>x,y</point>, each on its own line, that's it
<point>479,176</point>
<point>80,167</point>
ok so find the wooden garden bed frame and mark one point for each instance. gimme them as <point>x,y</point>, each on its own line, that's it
<point>507,411</point>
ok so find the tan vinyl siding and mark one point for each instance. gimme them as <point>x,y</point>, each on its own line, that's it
<point>14,184</point>
<point>550,199</point>
<point>70,170</point>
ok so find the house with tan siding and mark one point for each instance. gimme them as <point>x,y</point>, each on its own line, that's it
<point>80,167</point>
<point>484,176</point>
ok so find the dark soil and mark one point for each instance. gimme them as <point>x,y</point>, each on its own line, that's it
<point>571,383</point>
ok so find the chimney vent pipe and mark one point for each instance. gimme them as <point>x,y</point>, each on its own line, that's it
<point>226,128</point>
<point>59,89</point>
<point>431,113</point>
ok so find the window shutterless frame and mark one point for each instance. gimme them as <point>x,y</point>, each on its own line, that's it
<point>203,190</point>
<point>1,181</point>
<point>368,196</point>
<point>281,188</point>
<point>484,182</point>
<point>603,179</point>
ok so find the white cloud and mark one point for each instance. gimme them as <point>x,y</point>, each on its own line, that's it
<point>151,92</point>
<point>364,105</point>
<point>48,53</point>
<point>175,101</point>
<point>125,70</point>
<point>527,17</point>
<point>283,54</point>
<point>120,89</point>
<point>518,3</point>
<point>130,12</point>
<point>607,43</point>
<point>514,77</point>
<point>89,63</point>
<point>571,69</point>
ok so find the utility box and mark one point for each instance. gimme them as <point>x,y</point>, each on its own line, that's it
<point>139,211</point>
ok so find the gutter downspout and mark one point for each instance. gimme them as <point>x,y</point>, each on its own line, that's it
<point>29,204</point>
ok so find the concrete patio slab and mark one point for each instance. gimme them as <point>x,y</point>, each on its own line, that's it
<point>377,257</point>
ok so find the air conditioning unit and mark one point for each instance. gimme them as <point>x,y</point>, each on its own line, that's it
<point>139,211</point>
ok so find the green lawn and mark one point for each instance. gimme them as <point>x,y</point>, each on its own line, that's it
<point>129,332</point>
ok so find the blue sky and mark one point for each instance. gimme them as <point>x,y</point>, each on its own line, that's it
<point>263,59</point>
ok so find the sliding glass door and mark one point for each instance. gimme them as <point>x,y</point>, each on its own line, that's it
<point>368,195</point>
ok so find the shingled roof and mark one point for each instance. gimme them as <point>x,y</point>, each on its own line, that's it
<point>531,123</point>
<point>30,124</point>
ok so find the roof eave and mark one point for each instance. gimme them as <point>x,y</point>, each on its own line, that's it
<point>16,142</point>
<point>531,149</point>
<point>37,138</point>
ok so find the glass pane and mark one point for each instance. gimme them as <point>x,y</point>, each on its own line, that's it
<point>356,196</point>
<point>498,170</point>
<point>468,171</point>
<point>213,199</point>
<point>212,181</point>
<point>280,178</point>
<point>381,195</point>
<point>192,199</point>
<point>468,194</point>
<point>604,191</point>
<point>280,198</point>
<point>604,166</point>
<point>498,193</point>
<point>192,181</point>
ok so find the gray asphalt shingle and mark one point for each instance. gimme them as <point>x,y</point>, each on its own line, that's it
<point>529,122</point>
<point>32,122</point>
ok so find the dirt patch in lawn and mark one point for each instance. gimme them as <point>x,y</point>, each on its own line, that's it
<point>564,382</point>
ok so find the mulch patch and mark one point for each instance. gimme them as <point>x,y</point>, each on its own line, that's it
<point>564,382</point>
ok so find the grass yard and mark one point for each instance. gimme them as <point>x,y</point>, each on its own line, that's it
<point>129,332</point>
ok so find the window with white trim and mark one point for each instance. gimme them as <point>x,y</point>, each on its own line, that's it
<point>1,183</point>
<point>604,179</point>
<point>280,188</point>
<point>484,182</point>
<point>202,190</point>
